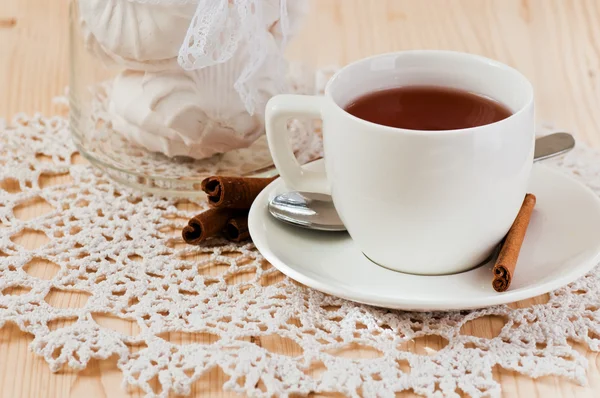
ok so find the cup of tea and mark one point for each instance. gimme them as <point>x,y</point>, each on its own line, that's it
<point>427,155</point>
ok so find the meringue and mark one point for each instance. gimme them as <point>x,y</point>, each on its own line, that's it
<point>201,112</point>
<point>296,11</point>
<point>170,112</point>
<point>154,143</point>
<point>137,35</point>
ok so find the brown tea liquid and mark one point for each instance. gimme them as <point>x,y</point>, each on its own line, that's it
<point>427,108</point>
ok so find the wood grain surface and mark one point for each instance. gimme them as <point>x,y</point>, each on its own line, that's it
<point>555,43</point>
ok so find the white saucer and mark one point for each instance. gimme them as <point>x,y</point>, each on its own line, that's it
<point>562,244</point>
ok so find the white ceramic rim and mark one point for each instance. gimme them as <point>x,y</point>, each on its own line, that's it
<point>473,57</point>
<point>260,206</point>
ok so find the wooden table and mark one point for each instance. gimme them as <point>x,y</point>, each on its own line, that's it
<point>556,43</point>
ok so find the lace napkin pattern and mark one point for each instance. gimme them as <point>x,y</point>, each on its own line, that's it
<point>122,249</point>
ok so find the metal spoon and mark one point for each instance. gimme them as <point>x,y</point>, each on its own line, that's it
<point>316,211</point>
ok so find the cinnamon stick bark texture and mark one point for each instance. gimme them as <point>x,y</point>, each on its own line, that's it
<point>233,192</point>
<point>504,268</point>
<point>236,229</point>
<point>207,224</point>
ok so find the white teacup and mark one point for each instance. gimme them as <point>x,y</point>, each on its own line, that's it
<point>422,202</point>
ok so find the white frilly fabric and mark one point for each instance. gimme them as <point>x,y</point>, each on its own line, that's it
<point>214,62</point>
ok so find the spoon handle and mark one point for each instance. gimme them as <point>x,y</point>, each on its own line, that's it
<point>553,145</point>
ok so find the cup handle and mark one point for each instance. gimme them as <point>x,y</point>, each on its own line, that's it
<point>280,109</point>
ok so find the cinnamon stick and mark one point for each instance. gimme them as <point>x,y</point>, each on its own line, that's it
<point>207,224</point>
<point>233,192</point>
<point>236,229</point>
<point>504,268</point>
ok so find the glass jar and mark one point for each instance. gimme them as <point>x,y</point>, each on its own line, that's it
<point>147,122</point>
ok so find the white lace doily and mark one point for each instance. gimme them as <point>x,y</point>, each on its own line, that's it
<point>122,249</point>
